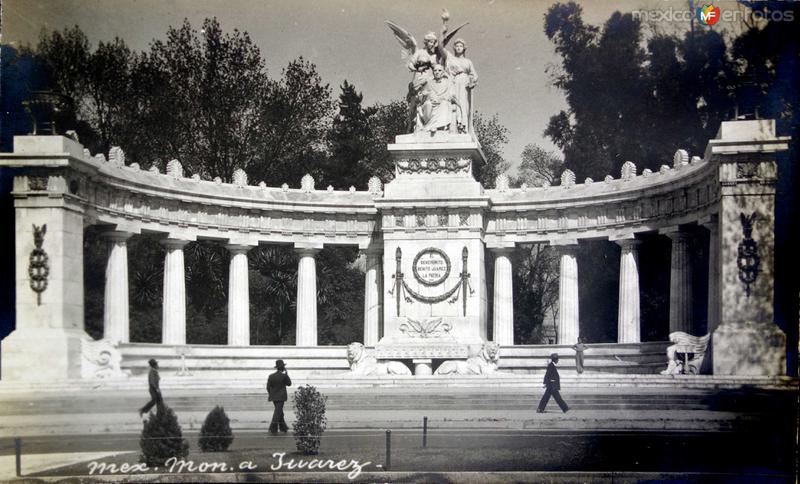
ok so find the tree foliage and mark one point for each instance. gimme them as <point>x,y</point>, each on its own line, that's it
<point>216,434</point>
<point>493,136</point>
<point>310,423</point>
<point>162,438</point>
<point>535,290</point>
<point>539,167</point>
<point>630,99</point>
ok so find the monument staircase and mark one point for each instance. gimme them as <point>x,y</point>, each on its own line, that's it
<point>598,401</point>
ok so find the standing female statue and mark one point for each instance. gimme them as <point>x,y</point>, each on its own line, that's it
<point>464,78</point>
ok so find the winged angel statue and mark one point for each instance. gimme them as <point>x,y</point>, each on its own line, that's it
<point>435,100</point>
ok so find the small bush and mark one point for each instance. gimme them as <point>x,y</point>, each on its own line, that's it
<point>216,434</point>
<point>309,408</point>
<point>162,438</point>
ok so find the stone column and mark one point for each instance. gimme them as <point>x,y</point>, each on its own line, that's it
<point>173,329</point>
<point>372,296</point>
<point>238,297</point>
<point>712,224</point>
<point>503,313</point>
<point>307,296</point>
<point>116,325</point>
<point>568,315</point>
<point>680,282</point>
<point>629,320</point>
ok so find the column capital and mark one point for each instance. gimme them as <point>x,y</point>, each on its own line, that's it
<point>501,250</point>
<point>675,233</point>
<point>369,251</point>
<point>565,246</point>
<point>307,248</point>
<point>629,244</point>
<point>173,243</point>
<point>117,235</point>
<point>710,222</point>
<point>238,248</point>
<point>564,242</point>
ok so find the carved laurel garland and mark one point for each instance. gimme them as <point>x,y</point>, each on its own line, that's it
<point>433,165</point>
<point>748,260</point>
<point>432,299</point>
<point>38,264</point>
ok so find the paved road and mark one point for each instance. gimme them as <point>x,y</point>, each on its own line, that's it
<point>498,450</point>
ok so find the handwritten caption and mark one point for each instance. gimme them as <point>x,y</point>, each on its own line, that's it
<point>174,465</point>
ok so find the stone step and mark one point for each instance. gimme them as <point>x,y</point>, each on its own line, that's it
<point>497,383</point>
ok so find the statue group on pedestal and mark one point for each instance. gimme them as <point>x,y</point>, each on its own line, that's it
<point>440,93</point>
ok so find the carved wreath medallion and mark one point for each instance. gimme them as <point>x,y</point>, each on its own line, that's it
<point>431,266</point>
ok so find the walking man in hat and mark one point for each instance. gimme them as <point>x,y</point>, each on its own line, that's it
<point>276,388</point>
<point>552,384</point>
<point>155,392</point>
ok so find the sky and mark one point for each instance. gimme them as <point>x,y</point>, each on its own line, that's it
<point>348,39</point>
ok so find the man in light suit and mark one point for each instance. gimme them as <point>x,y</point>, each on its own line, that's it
<point>276,387</point>
<point>552,384</point>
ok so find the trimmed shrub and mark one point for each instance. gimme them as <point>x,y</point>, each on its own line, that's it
<point>216,434</point>
<point>309,408</point>
<point>162,438</point>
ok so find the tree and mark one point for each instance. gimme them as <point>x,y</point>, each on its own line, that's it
<point>201,94</point>
<point>295,116</point>
<point>535,290</point>
<point>273,278</point>
<point>348,140</point>
<point>385,122</point>
<point>492,136</point>
<point>628,103</point>
<point>216,434</point>
<point>162,438</point>
<point>309,408</point>
<point>539,167</point>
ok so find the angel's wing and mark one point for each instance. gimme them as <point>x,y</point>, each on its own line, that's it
<point>451,34</point>
<point>405,39</point>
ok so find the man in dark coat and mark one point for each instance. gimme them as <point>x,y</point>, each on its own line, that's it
<point>552,384</point>
<point>155,392</point>
<point>276,387</point>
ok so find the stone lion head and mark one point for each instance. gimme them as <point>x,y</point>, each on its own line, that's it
<point>491,351</point>
<point>355,352</point>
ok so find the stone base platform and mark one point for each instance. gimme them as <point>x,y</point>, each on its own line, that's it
<point>253,362</point>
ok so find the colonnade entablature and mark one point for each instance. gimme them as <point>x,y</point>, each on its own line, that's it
<point>683,194</point>
<point>129,199</point>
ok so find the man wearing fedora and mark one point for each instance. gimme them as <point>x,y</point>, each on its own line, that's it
<point>276,388</point>
<point>155,392</point>
<point>552,384</point>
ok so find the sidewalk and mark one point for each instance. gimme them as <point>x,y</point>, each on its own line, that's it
<point>553,419</point>
<point>34,463</point>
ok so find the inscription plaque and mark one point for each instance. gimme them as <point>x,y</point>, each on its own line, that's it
<point>431,266</point>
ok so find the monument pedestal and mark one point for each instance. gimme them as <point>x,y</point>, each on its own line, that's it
<point>434,275</point>
<point>43,354</point>
<point>49,224</point>
<point>747,341</point>
<point>749,349</point>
